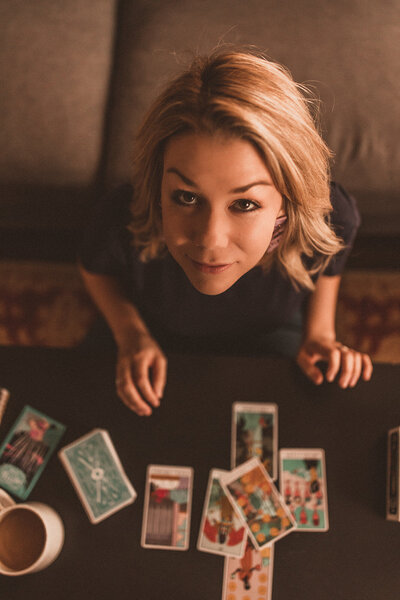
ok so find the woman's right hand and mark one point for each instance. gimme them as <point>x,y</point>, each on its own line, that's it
<point>141,373</point>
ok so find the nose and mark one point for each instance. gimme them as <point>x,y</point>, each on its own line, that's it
<point>211,229</point>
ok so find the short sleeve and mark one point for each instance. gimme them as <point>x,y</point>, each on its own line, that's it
<point>105,244</point>
<point>345,220</point>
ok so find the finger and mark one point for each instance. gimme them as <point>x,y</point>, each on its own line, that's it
<point>306,363</point>
<point>159,375</point>
<point>334,360</point>
<point>367,367</point>
<point>347,362</point>
<point>130,395</point>
<point>141,374</point>
<point>356,370</point>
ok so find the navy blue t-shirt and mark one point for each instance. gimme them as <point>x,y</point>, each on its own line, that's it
<point>258,303</point>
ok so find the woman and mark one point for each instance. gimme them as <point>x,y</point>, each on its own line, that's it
<point>231,238</point>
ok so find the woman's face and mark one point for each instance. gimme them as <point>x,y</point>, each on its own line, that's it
<point>219,207</point>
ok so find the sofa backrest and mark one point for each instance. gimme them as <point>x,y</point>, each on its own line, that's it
<point>348,51</point>
<point>80,74</point>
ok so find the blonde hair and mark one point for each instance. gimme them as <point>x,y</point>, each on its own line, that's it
<point>243,94</point>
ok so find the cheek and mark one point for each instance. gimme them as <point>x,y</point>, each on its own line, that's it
<point>174,229</point>
<point>257,239</point>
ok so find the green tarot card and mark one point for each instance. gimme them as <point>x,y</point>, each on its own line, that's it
<point>303,484</point>
<point>96,473</point>
<point>26,451</point>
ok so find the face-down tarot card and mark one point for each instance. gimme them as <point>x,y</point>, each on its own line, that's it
<point>96,472</point>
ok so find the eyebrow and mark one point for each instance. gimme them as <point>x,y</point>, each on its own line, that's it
<point>238,190</point>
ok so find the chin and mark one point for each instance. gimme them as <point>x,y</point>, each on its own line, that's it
<point>210,288</point>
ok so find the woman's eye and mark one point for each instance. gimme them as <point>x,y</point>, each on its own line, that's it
<point>185,198</point>
<point>245,205</point>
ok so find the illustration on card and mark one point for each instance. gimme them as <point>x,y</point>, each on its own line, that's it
<point>223,531</point>
<point>303,490</point>
<point>167,518</point>
<point>255,437</point>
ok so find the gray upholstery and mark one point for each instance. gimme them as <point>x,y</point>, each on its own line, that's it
<point>62,68</point>
<point>55,62</point>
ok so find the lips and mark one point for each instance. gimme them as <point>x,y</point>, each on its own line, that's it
<point>210,268</point>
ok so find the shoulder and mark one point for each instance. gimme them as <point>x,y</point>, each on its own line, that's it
<point>114,206</point>
<point>110,215</point>
<point>106,241</point>
<point>345,217</point>
<point>345,221</point>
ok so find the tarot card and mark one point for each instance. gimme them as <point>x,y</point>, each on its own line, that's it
<point>26,451</point>
<point>261,506</point>
<point>167,507</point>
<point>255,433</point>
<point>393,476</point>
<point>249,578</point>
<point>303,485</point>
<point>222,530</point>
<point>97,475</point>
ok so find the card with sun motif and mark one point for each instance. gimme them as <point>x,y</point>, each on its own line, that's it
<point>249,577</point>
<point>97,475</point>
<point>261,506</point>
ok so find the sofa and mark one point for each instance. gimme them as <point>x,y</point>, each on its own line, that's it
<point>77,76</point>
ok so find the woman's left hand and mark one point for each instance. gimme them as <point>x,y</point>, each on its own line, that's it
<point>340,359</point>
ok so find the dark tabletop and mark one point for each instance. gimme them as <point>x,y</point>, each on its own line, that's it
<point>357,559</point>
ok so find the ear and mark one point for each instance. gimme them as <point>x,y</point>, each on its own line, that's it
<point>277,233</point>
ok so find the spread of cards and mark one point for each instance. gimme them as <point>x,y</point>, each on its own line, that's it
<point>244,513</point>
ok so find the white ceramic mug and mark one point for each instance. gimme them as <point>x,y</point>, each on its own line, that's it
<point>31,537</point>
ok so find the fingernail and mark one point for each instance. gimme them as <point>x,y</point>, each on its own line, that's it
<point>144,413</point>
